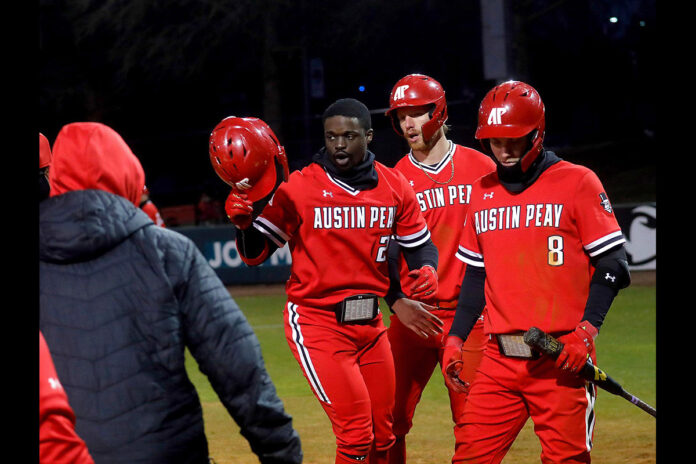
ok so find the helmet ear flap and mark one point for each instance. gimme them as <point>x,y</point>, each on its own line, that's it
<point>438,117</point>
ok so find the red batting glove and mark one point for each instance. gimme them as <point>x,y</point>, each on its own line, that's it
<point>452,358</point>
<point>425,282</point>
<point>238,209</point>
<point>577,347</point>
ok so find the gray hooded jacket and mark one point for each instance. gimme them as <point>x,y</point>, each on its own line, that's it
<point>120,301</point>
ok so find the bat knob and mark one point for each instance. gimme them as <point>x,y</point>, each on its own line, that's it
<point>534,337</point>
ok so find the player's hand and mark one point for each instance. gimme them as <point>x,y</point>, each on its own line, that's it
<point>453,364</point>
<point>425,283</point>
<point>238,209</point>
<point>417,317</point>
<point>577,347</point>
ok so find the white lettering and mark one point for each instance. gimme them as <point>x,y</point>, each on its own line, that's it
<point>337,219</point>
<point>529,216</point>
<point>317,218</point>
<point>439,196</point>
<point>494,117</point>
<point>400,92</point>
<point>419,197</point>
<point>217,258</point>
<point>558,209</point>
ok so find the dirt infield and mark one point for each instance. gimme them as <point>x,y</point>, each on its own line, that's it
<point>637,278</point>
<point>643,277</point>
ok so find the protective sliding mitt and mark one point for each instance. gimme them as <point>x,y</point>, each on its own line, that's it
<point>577,347</point>
<point>239,209</point>
<point>452,358</point>
<point>425,283</point>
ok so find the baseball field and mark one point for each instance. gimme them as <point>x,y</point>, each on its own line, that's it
<point>624,433</point>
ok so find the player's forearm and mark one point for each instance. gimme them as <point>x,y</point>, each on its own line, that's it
<point>395,291</point>
<point>424,255</point>
<point>471,302</point>
<point>611,275</point>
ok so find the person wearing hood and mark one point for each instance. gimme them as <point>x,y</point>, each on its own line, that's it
<point>122,299</point>
<point>338,215</point>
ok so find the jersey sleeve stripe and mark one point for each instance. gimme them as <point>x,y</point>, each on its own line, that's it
<point>601,245</point>
<point>414,240</point>
<point>273,233</point>
<point>469,257</point>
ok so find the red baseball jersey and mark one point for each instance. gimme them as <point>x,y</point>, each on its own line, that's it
<point>338,236</point>
<point>443,192</point>
<point>536,247</point>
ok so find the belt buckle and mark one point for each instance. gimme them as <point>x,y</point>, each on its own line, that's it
<point>513,346</point>
<point>357,308</point>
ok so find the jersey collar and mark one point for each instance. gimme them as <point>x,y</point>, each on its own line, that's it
<point>434,168</point>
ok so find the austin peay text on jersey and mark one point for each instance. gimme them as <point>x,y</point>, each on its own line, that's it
<point>511,217</point>
<point>354,217</point>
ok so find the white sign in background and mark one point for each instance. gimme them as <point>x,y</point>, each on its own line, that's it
<point>639,225</point>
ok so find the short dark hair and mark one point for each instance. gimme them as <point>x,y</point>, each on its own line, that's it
<point>351,108</point>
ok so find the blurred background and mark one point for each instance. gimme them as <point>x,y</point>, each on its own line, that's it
<point>163,74</point>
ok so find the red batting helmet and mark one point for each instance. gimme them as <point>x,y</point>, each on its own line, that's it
<point>45,155</point>
<point>246,151</point>
<point>511,110</point>
<point>419,90</point>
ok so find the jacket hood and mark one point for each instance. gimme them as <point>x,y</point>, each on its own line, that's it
<point>84,224</point>
<point>91,155</point>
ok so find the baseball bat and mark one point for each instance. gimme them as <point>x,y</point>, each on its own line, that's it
<point>545,343</point>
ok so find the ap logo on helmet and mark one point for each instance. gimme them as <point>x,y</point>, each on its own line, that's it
<point>400,92</point>
<point>494,117</point>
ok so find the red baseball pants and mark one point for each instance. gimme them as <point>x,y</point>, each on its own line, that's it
<point>351,372</point>
<point>415,359</point>
<point>506,392</point>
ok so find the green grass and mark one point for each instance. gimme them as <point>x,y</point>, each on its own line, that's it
<point>626,351</point>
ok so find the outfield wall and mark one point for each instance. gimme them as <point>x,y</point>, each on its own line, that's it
<point>217,243</point>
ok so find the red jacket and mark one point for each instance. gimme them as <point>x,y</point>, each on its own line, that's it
<point>58,442</point>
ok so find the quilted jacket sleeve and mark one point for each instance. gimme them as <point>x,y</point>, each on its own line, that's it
<point>228,353</point>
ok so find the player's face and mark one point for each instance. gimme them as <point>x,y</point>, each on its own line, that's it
<point>411,121</point>
<point>346,141</point>
<point>508,151</point>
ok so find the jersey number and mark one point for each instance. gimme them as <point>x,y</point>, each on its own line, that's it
<point>555,256</point>
<point>382,250</point>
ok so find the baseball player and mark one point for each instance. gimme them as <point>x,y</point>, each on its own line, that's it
<point>543,248</point>
<point>337,215</point>
<point>441,173</point>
